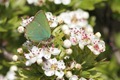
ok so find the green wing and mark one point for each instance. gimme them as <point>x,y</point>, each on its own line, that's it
<point>41,18</point>
<point>39,28</point>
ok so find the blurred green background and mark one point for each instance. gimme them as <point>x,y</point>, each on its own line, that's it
<point>104,17</point>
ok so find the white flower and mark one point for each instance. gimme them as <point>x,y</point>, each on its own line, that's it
<point>54,67</point>
<point>49,15</point>
<point>69,51</point>
<point>36,54</point>
<point>85,39</point>
<point>57,1</point>
<point>68,74</point>
<point>54,51</point>
<point>73,77</point>
<point>31,1</point>
<point>78,66</point>
<point>52,19</point>
<point>66,2</point>
<point>20,29</point>
<point>32,56</point>
<point>20,50</point>
<point>39,61</point>
<point>11,75</point>
<point>65,17</point>
<point>67,43</point>
<point>66,57</point>
<point>73,40</point>
<point>97,47</point>
<point>85,15</point>
<point>54,24</point>
<point>14,57</point>
<point>25,22</point>
<point>13,68</point>
<point>65,27</point>
<point>35,50</point>
<point>89,29</point>
<point>76,18</point>
<point>98,34</point>
<point>45,53</point>
<point>36,2</point>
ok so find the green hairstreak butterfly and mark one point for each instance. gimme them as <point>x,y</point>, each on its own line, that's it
<point>38,29</point>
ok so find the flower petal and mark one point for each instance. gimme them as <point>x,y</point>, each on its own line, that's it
<point>60,74</point>
<point>49,73</point>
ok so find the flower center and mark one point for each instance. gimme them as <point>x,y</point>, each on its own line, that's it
<point>54,66</point>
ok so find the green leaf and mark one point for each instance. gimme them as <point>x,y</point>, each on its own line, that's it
<point>115,5</point>
<point>2,29</point>
<point>87,4</point>
<point>117,39</point>
<point>84,57</point>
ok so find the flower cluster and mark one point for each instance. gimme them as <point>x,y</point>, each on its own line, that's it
<point>24,23</point>
<point>42,2</point>
<point>64,2</point>
<point>77,31</point>
<point>43,56</point>
<point>80,32</point>
<point>11,75</point>
<point>36,2</point>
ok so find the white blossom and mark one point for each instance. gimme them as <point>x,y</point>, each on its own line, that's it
<point>11,75</point>
<point>68,74</point>
<point>20,50</point>
<point>97,47</point>
<point>36,54</point>
<point>13,68</point>
<point>69,51</point>
<point>98,34</point>
<point>20,29</point>
<point>75,18</point>
<point>53,22</point>
<point>54,51</point>
<point>14,57</point>
<point>25,22</point>
<point>82,78</point>
<point>54,67</point>
<point>73,77</point>
<point>78,66</point>
<point>57,1</point>
<point>67,43</point>
<point>64,2</point>
<point>36,2</point>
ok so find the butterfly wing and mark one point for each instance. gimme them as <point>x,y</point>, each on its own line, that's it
<point>41,18</point>
<point>39,28</point>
